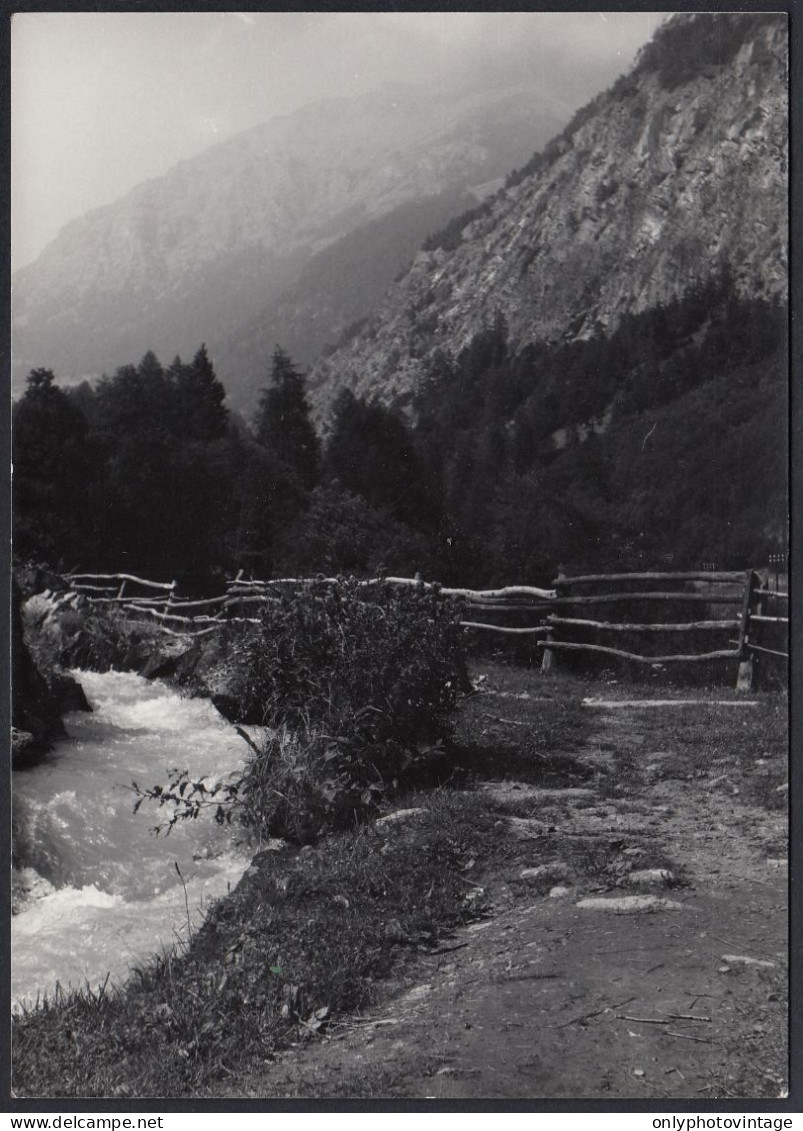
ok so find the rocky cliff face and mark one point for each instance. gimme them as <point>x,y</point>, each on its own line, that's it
<point>194,254</point>
<point>678,171</point>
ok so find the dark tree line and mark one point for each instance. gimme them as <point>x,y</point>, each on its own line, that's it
<point>149,473</point>
<point>662,444</point>
<point>146,472</point>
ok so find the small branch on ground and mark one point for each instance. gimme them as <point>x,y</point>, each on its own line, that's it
<point>506,722</point>
<point>688,1037</point>
<point>247,738</point>
<point>596,1013</point>
<point>643,1020</point>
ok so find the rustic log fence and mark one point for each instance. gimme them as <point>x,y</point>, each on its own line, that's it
<point>736,596</point>
<point>197,617</point>
<point>764,630</point>
<point>564,616</point>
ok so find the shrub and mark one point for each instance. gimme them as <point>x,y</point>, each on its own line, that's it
<point>357,684</point>
<point>376,661</point>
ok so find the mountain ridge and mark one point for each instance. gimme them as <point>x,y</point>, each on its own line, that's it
<point>214,242</point>
<point>681,172</point>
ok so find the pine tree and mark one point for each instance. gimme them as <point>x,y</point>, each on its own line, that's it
<point>201,409</point>
<point>283,421</point>
<point>54,473</point>
<point>371,452</point>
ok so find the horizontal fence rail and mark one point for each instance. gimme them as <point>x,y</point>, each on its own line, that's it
<point>697,575</point>
<point>759,611</point>
<point>745,592</point>
<point>612,598</point>
<point>610,626</point>
<point>719,654</point>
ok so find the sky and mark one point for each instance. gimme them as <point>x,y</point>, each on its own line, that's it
<point>103,101</point>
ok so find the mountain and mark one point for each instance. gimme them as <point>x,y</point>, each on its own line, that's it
<point>670,179</point>
<point>334,292</point>
<point>218,242</point>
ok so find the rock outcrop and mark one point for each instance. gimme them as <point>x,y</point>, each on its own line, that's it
<point>214,244</point>
<point>35,710</point>
<point>675,175</point>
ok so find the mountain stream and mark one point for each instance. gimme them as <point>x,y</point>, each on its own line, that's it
<point>101,891</point>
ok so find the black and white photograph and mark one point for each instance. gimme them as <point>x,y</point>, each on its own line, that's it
<point>400,557</point>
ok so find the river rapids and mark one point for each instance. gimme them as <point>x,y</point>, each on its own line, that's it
<point>100,892</point>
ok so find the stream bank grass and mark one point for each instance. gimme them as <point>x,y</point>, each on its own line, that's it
<point>308,934</point>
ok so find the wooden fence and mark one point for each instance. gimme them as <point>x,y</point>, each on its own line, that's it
<point>183,616</point>
<point>745,606</point>
<point>731,603</point>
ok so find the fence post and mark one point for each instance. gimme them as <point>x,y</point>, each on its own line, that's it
<point>744,679</point>
<point>549,659</point>
<point>169,601</point>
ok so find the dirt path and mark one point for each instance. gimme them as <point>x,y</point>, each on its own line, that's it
<point>593,981</point>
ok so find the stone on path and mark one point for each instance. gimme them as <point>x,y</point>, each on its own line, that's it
<point>556,870</point>
<point>522,791</point>
<point>618,704</point>
<point>630,904</point>
<point>398,817</point>
<point>527,828</point>
<point>745,960</point>
<point>646,876</point>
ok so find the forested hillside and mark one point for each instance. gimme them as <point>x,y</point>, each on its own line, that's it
<point>589,369</point>
<point>660,445</point>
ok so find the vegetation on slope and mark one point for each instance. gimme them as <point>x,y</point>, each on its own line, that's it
<point>677,57</point>
<point>662,443</point>
<point>306,936</point>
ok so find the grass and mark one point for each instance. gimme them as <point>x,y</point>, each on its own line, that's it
<point>745,748</point>
<point>525,728</point>
<point>311,934</point>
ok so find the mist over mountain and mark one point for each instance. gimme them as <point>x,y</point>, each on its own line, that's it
<point>216,243</point>
<point>657,186</point>
<point>585,366</point>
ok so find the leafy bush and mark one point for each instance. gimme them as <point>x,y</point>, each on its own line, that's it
<point>371,661</point>
<point>357,684</point>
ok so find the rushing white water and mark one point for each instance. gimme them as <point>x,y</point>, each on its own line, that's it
<point>105,892</point>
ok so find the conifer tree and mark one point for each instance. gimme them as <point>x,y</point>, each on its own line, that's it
<point>283,421</point>
<point>54,474</point>
<point>371,453</point>
<point>200,399</point>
